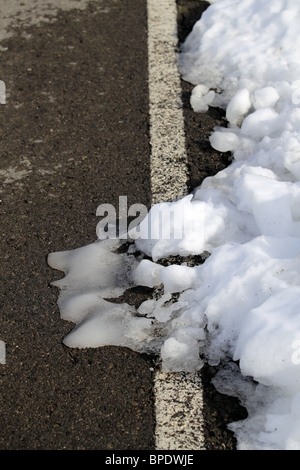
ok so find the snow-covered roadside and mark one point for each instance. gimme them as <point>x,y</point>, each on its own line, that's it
<point>243,56</point>
<point>241,304</point>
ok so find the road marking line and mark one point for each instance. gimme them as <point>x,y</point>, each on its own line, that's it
<point>2,352</point>
<point>179,418</point>
<point>168,154</point>
<point>178,396</point>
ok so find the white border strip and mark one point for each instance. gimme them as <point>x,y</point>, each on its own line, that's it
<point>2,353</point>
<point>168,154</point>
<point>178,409</point>
<point>178,396</point>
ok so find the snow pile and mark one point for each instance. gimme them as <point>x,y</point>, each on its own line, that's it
<point>243,303</point>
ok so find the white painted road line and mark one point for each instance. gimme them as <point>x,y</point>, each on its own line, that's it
<point>179,418</point>
<point>178,396</point>
<point>168,154</point>
<point>2,353</point>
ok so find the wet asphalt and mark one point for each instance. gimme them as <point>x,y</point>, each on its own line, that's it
<point>74,133</point>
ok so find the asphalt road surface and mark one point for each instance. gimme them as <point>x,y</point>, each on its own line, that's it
<point>74,133</point>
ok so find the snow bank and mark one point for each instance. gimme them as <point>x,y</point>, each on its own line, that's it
<point>243,303</point>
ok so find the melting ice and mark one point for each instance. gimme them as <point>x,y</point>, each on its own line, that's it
<point>242,304</point>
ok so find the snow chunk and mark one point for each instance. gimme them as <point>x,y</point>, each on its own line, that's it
<point>201,98</point>
<point>238,107</point>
